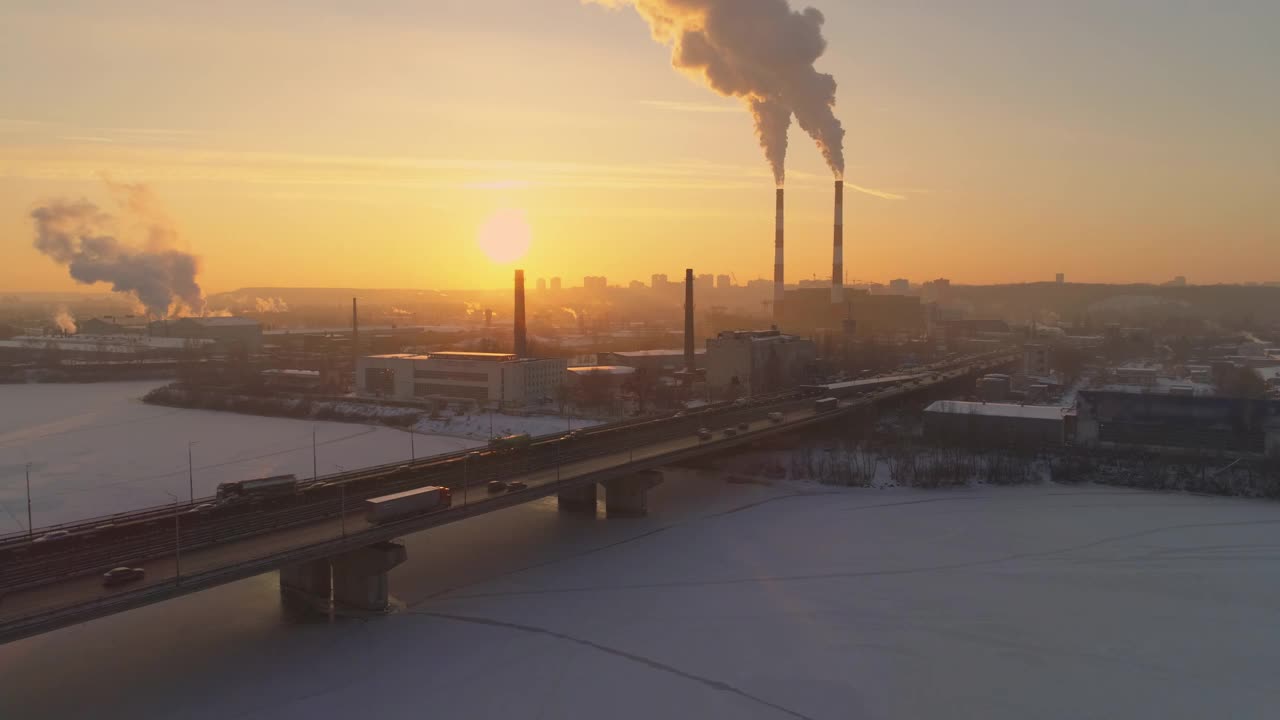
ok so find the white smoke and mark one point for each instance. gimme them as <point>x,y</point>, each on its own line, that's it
<point>81,236</point>
<point>65,321</point>
<point>761,51</point>
<point>270,305</point>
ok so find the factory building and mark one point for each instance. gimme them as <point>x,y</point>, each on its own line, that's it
<point>741,363</point>
<point>227,333</point>
<point>487,379</point>
<point>806,310</point>
<point>654,362</point>
<point>1185,421</point>
<point>979,424</point>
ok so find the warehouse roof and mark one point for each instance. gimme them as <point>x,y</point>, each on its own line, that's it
<point>1010,410</point>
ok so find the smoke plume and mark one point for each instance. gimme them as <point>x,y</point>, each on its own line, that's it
<point>81,236</point>
<point>65,321</point>
<point>762,52</point>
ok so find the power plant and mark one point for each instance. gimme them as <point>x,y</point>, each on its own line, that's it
<point>690,358</point>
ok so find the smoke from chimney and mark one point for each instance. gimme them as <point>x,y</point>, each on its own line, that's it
<point>521,340</point>
<point>779,277</point>
<point>64,320</point>
<point>79,235</point>
<point>690,357</point>
<point>762,52</point>
<point>837,249</point>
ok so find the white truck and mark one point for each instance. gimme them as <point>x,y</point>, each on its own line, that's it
<point>406,504</point>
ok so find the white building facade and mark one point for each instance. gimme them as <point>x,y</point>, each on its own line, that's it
<point>487,379</point>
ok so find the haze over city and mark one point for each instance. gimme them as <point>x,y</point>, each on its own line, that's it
<point>336,144</point>
<point>639,359</point>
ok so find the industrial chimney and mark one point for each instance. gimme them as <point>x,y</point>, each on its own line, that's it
<point>778,277</point>
<point>837,256</point>
<point>690,360</point>
<point>355,341</point>
<point>522,342</point>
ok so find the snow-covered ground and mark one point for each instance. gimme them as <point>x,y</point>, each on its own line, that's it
<point>96,448</point>
<point>734,601</point>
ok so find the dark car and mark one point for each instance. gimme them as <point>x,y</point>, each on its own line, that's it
<point>122,575</point>
<point>516,485</point>
<point>704,434</point>
<point>744,426</point>
<point>497,486</point>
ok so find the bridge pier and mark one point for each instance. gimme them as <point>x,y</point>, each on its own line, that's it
<point>579,499</point>
<point>309,583</point>
<point>629,496</point>
<point>356,580</point>
<point>360,576</point>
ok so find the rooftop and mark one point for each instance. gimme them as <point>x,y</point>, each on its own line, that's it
<point>1010,410</point>
<point>603,370</point>
<point>483,356</point>
<point>654,353</point>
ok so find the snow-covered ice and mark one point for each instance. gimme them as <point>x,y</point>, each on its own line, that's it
<point>735,601</point>
<point>96,449</point>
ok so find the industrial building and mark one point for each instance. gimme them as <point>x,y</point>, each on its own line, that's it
<point>806,310</point>
<point>227,333</point>
<point>742,362</point>
<point>995,424</point>
<point>654,362</point>
<point>490,379</point>
<point>1190,422</point>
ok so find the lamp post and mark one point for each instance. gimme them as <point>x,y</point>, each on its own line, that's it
<point>413,452</point>
<point>30,527</point>
<point>315,474</point>
<point>191,475</point>
<point>342,501</point>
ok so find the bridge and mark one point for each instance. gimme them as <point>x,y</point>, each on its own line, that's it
<point>330,555</point>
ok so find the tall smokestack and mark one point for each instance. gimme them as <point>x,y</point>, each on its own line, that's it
<point>837,252</point>
<point>779,281</point>
<point>690,361</point>
<point>522,342</point>
<point>355,336</point>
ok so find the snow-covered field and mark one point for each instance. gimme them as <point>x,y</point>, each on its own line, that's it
<point>735,601</point>
<point>96,448</point>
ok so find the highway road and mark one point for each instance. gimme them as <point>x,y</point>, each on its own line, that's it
<point>51,584</point>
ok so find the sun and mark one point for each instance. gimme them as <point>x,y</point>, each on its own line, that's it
<point>505,235</point>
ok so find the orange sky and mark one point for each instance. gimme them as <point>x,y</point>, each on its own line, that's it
<point>336,146</point>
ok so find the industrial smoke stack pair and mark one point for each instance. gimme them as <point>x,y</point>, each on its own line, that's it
<point>837,252</point>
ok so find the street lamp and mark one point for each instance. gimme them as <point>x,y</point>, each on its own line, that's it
<point>342,501</point>
<point>191,482</point>
<point>315,474</point>
<point>413,452</point>
<point>30,527</point>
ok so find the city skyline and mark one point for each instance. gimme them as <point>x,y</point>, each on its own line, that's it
<point>1126,146</point>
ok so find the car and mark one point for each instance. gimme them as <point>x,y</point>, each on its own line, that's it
<point>516,485</point>
<point>122,575</point>
<point>50,536</point>
<point>730,432</point>
<point>744,426</point>
<point>704,434</point>
<point>775,417</point>
<point>497,486</point>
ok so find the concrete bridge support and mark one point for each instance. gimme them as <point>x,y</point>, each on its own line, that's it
<point>360,577</point>
<point>352,581</point>
<point>309,583</point>
<point>579,499</point>
<point>629,496</point>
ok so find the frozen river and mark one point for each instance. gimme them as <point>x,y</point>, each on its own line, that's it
<point>96,449</point>
<point>733,601</point>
